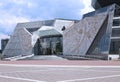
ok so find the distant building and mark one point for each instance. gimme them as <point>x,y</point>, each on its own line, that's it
<point>4,43</point>
<point>0,51</point>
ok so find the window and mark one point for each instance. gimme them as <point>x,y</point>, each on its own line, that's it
<point>114,46</point>
<point>116,22</point>
<point>116,32</point>
<point>117,11</point>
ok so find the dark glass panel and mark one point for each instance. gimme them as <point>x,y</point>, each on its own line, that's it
<point>31,30</point>
<point>102,10</point>
<point>116,32</point>
<point>97,4</point>
<point>117,11</point>
<point>89,14</point>
<point>115,46</point>
<point>116,22</point>
<point>49,22</point>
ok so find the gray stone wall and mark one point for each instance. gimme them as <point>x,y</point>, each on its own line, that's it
<point>19,43</point>
<point>78,38</point>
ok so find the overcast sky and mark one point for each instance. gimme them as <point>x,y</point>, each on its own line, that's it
<point>15,11</point>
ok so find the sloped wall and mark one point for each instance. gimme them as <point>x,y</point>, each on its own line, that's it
<point>19,43</point>
<point>78,38</point>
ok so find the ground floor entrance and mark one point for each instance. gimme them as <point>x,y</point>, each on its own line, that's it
<point>48,45</point>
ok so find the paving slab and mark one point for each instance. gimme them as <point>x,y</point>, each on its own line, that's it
<point>59,71</point>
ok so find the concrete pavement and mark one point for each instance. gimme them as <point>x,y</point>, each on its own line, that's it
<point>59,71</point>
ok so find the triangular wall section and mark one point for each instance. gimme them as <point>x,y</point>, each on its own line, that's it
<point>13,48</point>
<point>20,43</point>
<point>78,38</point>
<point>99,42</point>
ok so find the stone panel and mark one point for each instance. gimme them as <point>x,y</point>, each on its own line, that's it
<point>26,41</point>
<point>78,38</point>
<point>19,43</point>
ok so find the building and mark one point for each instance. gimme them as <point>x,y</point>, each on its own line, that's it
<point>3,44</point>
<point>98,33</point>
<point>97,4</point>
<point>37,38</point>
<point>0,51</point>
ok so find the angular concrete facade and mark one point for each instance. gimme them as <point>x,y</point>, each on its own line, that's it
<point>95,35</point>
<point>25,36</point>
<point>19,43</point>
<point>78,38</point>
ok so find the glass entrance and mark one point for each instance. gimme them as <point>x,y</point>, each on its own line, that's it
<point>51,45</point>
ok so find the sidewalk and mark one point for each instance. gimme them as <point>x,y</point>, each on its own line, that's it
<point>64,62</point>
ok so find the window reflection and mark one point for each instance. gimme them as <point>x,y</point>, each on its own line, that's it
<point>116,22</point>
<point>48,45</point>
<point>116,32</point>
<point>117,11</point>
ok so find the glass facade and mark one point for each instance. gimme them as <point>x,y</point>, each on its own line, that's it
<point>117,11</point>
<point>89,14</point>
<point>31,30</point>
<point>116,32</point>
<point>116,22</point>
<point>48,45</point>
<point>115,46</point>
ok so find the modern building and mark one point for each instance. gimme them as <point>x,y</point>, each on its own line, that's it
<point>98,33</point>
<point>37,38</point>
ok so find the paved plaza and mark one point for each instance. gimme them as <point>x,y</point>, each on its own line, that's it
<point>59,71</point>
